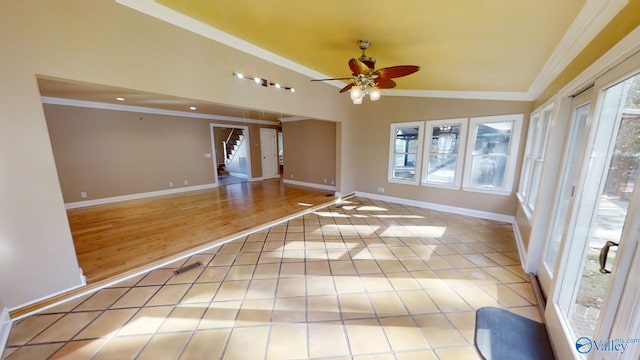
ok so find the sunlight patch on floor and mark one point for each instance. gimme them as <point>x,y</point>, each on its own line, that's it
<point>414,230</point>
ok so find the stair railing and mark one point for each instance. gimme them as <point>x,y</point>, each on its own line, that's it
<point>228,158</point>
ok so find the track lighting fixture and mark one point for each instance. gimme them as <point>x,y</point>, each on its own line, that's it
<point>264,82</point>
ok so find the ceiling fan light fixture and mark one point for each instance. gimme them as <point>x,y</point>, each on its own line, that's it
<point>374,94</point>
<point>356,94</point>
<point>366,80</point>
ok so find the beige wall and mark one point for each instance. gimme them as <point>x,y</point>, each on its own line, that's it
<point>109,153</point>
<point>310,151</point>
<point>373,148</point>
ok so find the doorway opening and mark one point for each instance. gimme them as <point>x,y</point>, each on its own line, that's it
<point>231,159</point>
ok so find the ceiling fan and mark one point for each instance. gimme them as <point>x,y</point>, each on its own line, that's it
<point>366,80</point>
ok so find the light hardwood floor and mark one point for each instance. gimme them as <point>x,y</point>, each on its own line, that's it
<point>114,238</point>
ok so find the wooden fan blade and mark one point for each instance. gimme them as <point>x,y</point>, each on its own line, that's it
<point>385,83</point>
<point>343,78</point>
<point>396,71</point>
<point>358,67</point>
<point>346,88</point>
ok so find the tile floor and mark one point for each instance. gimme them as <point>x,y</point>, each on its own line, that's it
<point>365,280</point>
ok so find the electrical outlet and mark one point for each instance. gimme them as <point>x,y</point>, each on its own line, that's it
<point>325,180</point>
<point>207,155</point>
<point>83,194</point>
<point>381,189</point>
<point>333,182</point>
<point>170,183</point>
<point>186,182</point>
<point>292,176</point>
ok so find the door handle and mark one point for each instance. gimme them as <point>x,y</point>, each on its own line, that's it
<point>603,256</point>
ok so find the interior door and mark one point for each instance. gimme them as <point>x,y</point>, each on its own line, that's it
<point>566,190</point>
<point>592,272</point>
<point>269,150</point>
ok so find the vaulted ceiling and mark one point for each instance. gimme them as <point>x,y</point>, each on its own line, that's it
<point>465,45</point>
<point>491,49</point>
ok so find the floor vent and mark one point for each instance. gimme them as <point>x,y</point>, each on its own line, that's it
<point>187,268</point>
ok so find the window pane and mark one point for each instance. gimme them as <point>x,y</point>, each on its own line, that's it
<point>524,180</point>
<point>542,136</point>
<point>491,158</point>
<point>404,166</point>
<point>488,170</point>
<point>405,153</point>
<point>444,139</point>
<point>535,182</point>
<point>413,146</point>
<point>493,138</point>
<point>441,169</point>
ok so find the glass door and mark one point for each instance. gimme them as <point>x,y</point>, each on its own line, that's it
<point>594,237</point>
<point>566,189</point>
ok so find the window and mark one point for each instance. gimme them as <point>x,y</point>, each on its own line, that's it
<point>534,158</point>
<point>444,143</point>
<point>492,153</point>
<point>405,152</point>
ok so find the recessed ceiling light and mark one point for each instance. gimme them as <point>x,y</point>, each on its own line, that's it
<point>120,98</point>
<point>192,108</point>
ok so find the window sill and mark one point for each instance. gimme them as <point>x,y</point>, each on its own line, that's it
<point>493,191</point>
<point>441,186</point>
<point>404,182</point>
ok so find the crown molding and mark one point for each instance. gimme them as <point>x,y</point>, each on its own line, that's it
<point>147,110</point>
<point>448,94</point>
<point>294,118</point>
<point>592,18</point>
<point>624,49</point>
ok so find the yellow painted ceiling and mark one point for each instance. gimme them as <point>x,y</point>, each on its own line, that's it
<point>461,45</point>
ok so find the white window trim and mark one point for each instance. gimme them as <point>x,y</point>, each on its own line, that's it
<point>539,155</point>
<point>392,138</point>
<point>459,156</point>
<point>535,152</point>
<point>512,156</point>
<point>523,187</point>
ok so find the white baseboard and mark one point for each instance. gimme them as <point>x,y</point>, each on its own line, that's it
<point>439,207</point>
<point>83,282</point>
<point>5,327</point>
<point>307,184</point>
<point>79,204</point>
<point>256,179</point>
